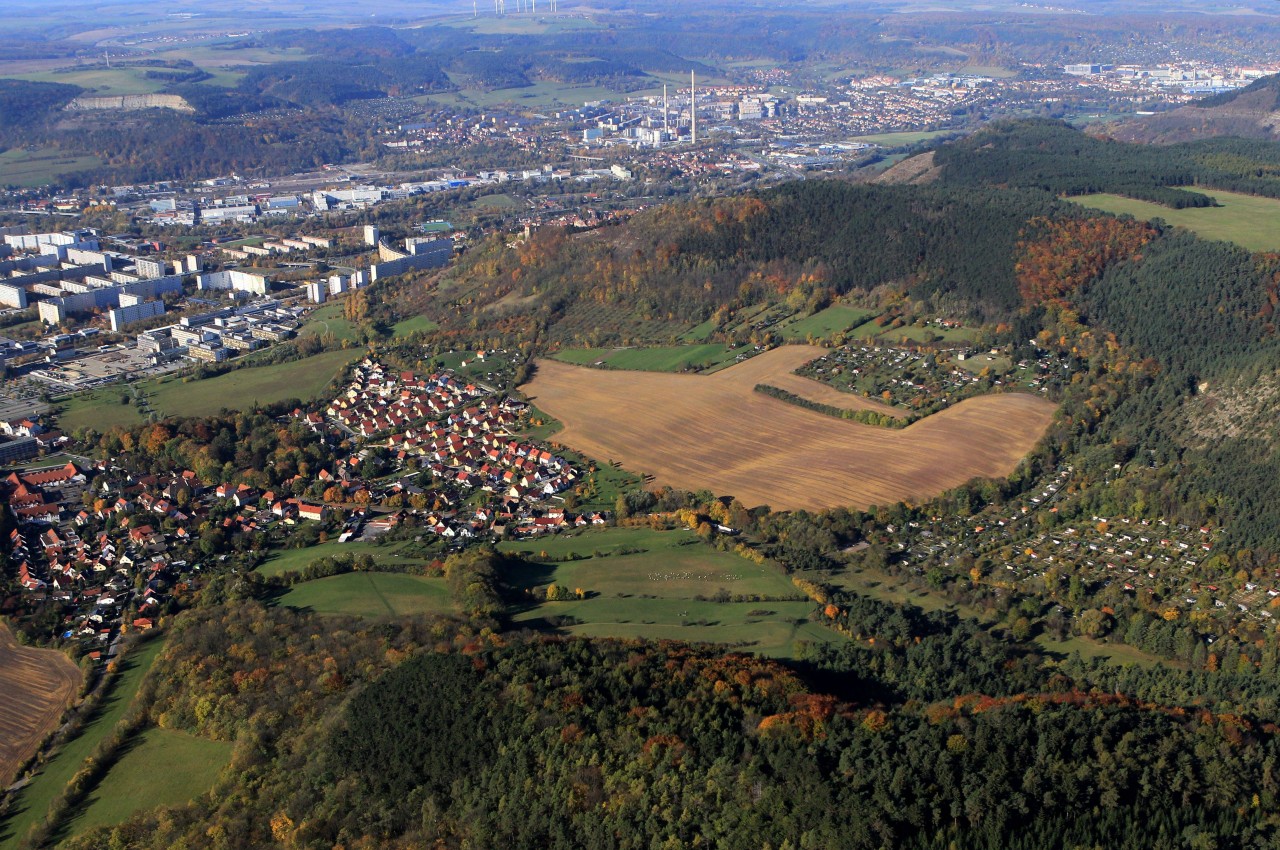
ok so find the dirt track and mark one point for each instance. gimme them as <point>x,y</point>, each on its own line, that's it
<point>36,685</point>
<point>715,431</point>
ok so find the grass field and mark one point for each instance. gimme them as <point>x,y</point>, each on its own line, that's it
<point>826,322</point>
<point>236,390</point>
<point>718,432</point>
<point>163,767</point>
<point>651,593</point>
<point>98,82</point>
<point>413,324</point>
<point>36,686</point>
<point>33,801</point>
<point>700,332</point>
<point>911,333</point>
<point>284,560</point>
<point>675,358</point>
<point>1247,220</point>
<point>371,595</point>
<point>31,168</point>
<point>329,318</point>
<point>893,140</point>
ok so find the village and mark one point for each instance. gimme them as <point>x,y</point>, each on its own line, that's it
<point>101,550</point>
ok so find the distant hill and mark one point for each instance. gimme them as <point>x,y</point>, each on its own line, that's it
<point>1252,112</point>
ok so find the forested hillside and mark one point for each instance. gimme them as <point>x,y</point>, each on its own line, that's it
<point>536,743</point>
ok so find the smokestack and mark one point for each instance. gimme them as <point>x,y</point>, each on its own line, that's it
<point>664,112</point>
<point>693,108</point>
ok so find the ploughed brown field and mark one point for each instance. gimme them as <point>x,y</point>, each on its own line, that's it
<point>36,685</point>
<point>715,431</point>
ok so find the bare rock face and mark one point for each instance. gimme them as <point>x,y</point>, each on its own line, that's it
<point>131,101</point>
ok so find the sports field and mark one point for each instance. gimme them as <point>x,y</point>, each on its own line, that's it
<point>36,686</point>
<point>236,390</point>
<point>162,767</point>
<point>371,595</point>
<point>694,431</point>
<point>1248,220</point>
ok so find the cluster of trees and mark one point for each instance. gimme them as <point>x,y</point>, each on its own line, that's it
<point>573,743</point>
<point>1057,158</point>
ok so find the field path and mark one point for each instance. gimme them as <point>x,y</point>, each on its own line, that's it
<point>36,685</point>
<point>715,431</point>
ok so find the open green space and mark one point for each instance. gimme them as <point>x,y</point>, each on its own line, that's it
<point>329,318</point>
<point>676,358</point>
<point>1249,221</point>
<point>30,168</point>
<point>639,582</point>
<point>413,324</point>
<point>1114,653</point>
<point>31,803</point>
<point>371,595</point>
<point>824,323</point>
<point>933,333</point>
<point>893,140</point>
<point>700,332</point>
<point>774,629</point>
<point>999,364</point>
<point>162,767</point>
<point>238,389</point>
<point>539,433</point>
<point>99,82</point>
<point>284,560</point>
<point>502,202</point>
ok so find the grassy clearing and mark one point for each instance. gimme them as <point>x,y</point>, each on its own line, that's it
<point>774,629</point>
<point>1113,653</point>
<point>329,319</point>
<point>1247,220</point>
<point>284,560</point>
<point>30,168</point>
<point>98,82</point>
<point>676,358</point>
<point>540,433</point>
<point>33,801</point>
<point>997,363</point>
<point>896,591</point>
<point>699,333</point>
<point>187,764</point>
<point>413,324</point>
<point>239,389</point>
<point>826,322</point>
<point>652,593</point>
<point>893,140</point>
<point>929,334</point>
<point>371,595</point>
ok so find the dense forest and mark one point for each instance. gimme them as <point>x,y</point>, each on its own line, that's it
<point>431,734</point>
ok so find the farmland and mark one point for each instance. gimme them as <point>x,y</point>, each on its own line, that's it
<point>236,390</point>
<point>30,168</point>
<point>36,685</point>
<point>661,585</point>
<point>719,433</point>
<point>33,801</point>
<point>188,764</point>
<point>371,595</point>
<point>1247,220</point>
